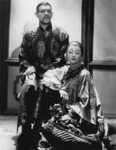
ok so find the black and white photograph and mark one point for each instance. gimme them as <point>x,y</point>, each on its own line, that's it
<point>57,75</point>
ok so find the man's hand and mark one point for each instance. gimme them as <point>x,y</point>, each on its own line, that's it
<point>29,71</point>
<point>31,77</point>
<point>63,94</point>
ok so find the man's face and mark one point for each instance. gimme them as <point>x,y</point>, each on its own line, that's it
<point>44,14</point>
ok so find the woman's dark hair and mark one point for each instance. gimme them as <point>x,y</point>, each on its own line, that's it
<point>42,3</point>
<point>78,44</point>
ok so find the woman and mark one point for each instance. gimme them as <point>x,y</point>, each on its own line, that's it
<point>77,108</point>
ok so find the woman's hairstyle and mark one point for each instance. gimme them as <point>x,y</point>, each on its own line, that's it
<point>76,43</point>
<point>42,3</point>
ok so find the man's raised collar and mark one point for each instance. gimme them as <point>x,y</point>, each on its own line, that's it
<point>48,27</point>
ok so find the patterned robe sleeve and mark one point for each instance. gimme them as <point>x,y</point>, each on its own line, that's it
<point>63,37</point>
<point>25,59</point>
<point>90,102</point>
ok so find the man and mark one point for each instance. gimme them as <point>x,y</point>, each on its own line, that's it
<point>40,50</point>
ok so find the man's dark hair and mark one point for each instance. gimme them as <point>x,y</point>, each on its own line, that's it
<point>42,3</point>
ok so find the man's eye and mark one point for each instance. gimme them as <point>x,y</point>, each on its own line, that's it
<point>49,11</point>
<point>43,11</point>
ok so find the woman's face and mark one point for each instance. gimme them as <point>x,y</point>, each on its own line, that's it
<point>73,54</point>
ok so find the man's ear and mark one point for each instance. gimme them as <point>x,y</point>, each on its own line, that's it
<point>36,14</point>
<point>52,15</point>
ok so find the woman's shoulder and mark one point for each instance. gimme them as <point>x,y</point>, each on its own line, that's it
<point>85,72</point>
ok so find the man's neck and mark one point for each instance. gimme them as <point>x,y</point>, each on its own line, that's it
<point>44,26</point>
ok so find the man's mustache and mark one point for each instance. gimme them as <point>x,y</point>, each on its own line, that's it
<point>46,17</point>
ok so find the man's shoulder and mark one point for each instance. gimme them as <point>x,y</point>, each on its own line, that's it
<point>57,30</point>
<point>30,33</point>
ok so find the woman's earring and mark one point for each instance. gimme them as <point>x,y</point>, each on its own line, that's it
<point>65,56</point>
<point>66,59</point>
<point>81,60</point>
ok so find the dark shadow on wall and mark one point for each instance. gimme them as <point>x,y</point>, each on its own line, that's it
<point>15,53</point>
<point>16,83</point>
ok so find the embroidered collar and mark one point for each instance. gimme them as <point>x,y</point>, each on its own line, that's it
<point>73,71</point>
